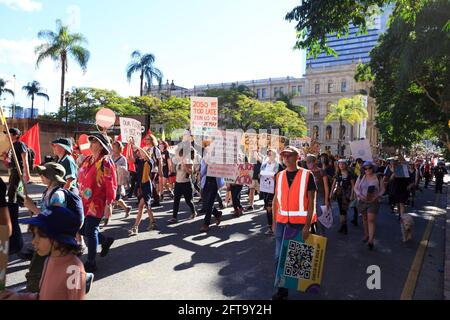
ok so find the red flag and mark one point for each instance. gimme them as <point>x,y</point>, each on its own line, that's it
<point>31,139</point>
<point>131,166</point>
<point>149,132</point>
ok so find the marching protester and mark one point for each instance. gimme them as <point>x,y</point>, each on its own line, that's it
<point>439,173</point>
<point>321,179</point>
<point>122,175</point>
<point>54,231</point>
<point>62,149</point>
<point>167,169</point>
<point>183,186</point>
<point>98,186</point>
<point>398,180</point>
<point>144,164</point>
<point>270,167</point>
<point>254,187</point>
<point>151,146</point>
<point>427,173</point>
<point>369,188</point>
<point>342,191</point>
<point>293,204</point>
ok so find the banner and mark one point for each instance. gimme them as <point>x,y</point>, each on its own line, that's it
<point>253,141</point>
<point>301,262</point>
<point>267,182</point>
<point>361,149</point>
<point>4,246</point>
<point>131,128</point>
<point>204,114</point>
<point>31,139</point>
<point>233,173</point>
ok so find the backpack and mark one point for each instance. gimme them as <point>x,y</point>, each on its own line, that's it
<point>31,155</point>
<point>73,202</point>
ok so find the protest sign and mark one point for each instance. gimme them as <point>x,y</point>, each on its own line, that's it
<point>131,128</point>
<point>84,145</point>
<point>105,118</point>
<point>401,171</point>
<point>233,173</point>
<point>361,149</point>
<point>300,265</point>
<point>204,114</point>
<point>326,218</point>
<point>267,182</point>
<point>4,247</point>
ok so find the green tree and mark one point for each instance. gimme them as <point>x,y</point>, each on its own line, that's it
<point>350,110</point>
<point>61,45</point>
<point>287,99</point>
<point>3,88</point>
<point>34,89</point>
<point>144,64</point>
<point>410,73</point>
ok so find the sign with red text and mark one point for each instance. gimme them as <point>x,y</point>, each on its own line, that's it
<point>233,173</point>
<point>131,128</point>
<point>204,114</point>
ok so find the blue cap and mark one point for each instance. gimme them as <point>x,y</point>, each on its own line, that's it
<point>60,224</point>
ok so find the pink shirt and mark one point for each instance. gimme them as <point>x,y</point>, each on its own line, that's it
<point>63,278</point>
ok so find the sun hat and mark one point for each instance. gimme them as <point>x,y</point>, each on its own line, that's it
<point>64,143</point>
<point>52,171</point>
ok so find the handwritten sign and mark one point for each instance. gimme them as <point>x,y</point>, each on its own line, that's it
<point>326,219</point>
<point>204,114</point>
<point>361,149</point>
<point>4,247</point>
<point>267,183</point>
<point>233,173</point>
<point>131,128</point>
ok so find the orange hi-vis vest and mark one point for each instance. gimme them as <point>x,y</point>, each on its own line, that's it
<point>292,202</point>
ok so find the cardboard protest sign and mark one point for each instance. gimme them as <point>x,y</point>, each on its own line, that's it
<point>301,262</point>
<point>4,247</point>
<point>267,182</point>
<point>233,173</point>
<point>244,174</point>
<point>204,114</point>
<point>131,128</point>
<point>361,149</point>
<point>326,218</point>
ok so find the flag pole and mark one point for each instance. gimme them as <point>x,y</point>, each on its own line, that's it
<point>19,171</point>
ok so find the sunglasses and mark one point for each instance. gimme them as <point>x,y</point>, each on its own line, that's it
<point>367,168</point>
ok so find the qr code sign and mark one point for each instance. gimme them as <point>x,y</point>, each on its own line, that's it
<point>299,260</point>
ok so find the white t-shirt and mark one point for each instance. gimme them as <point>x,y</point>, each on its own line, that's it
<point>182,175</point>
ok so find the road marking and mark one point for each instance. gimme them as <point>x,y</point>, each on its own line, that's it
<point>413,275</point>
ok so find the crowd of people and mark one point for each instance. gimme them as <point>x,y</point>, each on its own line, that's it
<point>83,191</point>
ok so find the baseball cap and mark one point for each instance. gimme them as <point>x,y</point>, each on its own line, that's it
<point>13,131</point>
<point>290,150</point>
<point>66,144</point>
<point>59,223</point>
<point>310,158</point>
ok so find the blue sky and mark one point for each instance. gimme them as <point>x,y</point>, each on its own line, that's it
<point>195,42</point>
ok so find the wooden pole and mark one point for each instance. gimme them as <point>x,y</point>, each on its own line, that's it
<point>16,161</point>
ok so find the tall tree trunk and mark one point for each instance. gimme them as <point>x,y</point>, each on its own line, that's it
<point>340,137</point>
<point>32,105</point>
<point>63,79</point>
<point>142,83</point>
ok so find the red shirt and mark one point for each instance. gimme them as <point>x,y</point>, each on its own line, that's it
<point>98,185</point>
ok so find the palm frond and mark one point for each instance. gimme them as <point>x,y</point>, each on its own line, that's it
<point>148,59</point>
<point>136,55</point>
<point>43,95</point>
<point>81,56</point>
<point>132,68</point>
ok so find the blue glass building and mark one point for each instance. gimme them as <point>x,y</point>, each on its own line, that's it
<point>353,48</point>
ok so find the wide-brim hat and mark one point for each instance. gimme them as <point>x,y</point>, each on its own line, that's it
<point>53,171</point>
<point>102,139</point>
<point>66,144</point>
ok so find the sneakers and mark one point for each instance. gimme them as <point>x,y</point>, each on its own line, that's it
<point>133,232</point>
<point>204,228</point>
<point>90,267</point>
<point>250,208</point>
<point>193,215</point>
<point>238,212</point>
<point>127,212</point>
<point>370,246</point>
<point>106,246</point>
<point>172,221</point>
<point>269,232</point>
<point>219,217</point>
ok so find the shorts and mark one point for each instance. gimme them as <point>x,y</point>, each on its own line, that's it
<point>268,199</point>
<point>371,207</point>
<point>165,171</point>
<point>255,185</point>
<point>145,192</point>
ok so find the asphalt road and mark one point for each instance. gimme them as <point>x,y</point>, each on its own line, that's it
<point>235,260</point>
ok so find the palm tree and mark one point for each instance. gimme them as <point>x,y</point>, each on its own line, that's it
<point>350,110</point>
<point>3,89</point>
<point>32,89</point>
<point>144,65</point>
<point>59,47</point>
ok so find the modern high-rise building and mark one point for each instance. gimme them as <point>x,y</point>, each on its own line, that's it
<point>353,48</point>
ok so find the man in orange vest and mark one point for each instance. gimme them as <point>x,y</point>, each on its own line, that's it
<point>294,203</point>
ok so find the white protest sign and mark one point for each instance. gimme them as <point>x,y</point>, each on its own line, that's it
<point>361,149</point>
<point>131,128</point>
<point>326,219</point>
<point>204,114</point>
<point>267,182</point>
